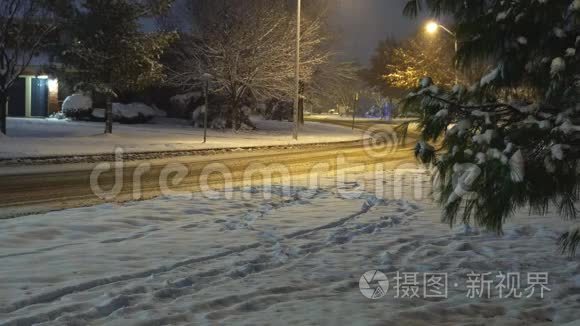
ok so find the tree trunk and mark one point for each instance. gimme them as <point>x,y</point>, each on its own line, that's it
<point>228,116</point>
<point>109,116</point>
<point>233,119</point>
<point>236,116</point>
<point>246,120</point>
<point>3,109</point>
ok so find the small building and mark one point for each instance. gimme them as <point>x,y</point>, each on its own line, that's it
<point>35,92</point>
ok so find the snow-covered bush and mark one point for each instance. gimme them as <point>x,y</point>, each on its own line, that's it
<point>182,105</point>
<point>215,118</point>
<point>133,113</point>
<point>511,140</point>
<point>158,112</point>
<point>77,107</point>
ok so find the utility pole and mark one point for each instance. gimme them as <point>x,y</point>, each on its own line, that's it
<point>108,115</point>
<point>297,98</point>
<point>301,104</point>
<point>205,111</point>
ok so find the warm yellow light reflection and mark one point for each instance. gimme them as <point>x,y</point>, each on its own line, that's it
<point>52,85</point>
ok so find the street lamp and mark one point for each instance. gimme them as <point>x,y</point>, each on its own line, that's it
<point>297,98</point>
<point>354,107</point>
<point>432,27</point>
<point>206,78</point>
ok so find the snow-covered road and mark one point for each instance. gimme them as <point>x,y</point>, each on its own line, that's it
<point>293,259</point>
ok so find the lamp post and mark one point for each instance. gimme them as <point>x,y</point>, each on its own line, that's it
<point>354,107</point>
<point>432,27</point>
<point>297,97</point>
<point>206,78</point>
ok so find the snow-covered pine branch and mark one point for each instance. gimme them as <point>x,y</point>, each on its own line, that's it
<point>520,124</point>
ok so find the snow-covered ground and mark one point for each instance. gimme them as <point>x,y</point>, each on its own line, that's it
<point>42,137</point>
<point>295,259</point>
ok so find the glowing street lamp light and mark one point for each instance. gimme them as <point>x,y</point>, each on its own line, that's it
<point>431,27</point>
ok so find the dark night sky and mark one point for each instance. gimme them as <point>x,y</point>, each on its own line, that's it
<point>363,23</point>
<point>360,24</point>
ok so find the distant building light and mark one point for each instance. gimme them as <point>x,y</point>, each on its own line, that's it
<point>42,77</point>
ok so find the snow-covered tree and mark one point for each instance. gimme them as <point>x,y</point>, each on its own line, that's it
<point>248,47</point>
<point>26,28</point>
<point>421,55</point>
<point>110,49</point>
<point>512,139</point>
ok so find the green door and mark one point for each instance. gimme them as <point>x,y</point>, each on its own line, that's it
<point>39,99</point>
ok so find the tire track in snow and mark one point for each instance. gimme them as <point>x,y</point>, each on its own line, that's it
<point>365,209</point>
<point>39,251</point>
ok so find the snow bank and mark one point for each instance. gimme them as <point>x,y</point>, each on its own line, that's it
<point>133,112</point>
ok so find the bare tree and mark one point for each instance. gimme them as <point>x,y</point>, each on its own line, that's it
<point>25,27</point>
<point>334,83</point>
<point>249,47</point>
